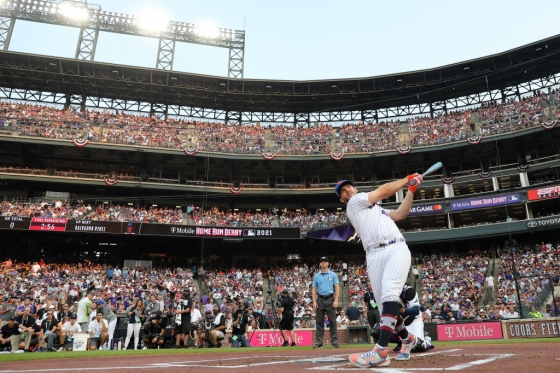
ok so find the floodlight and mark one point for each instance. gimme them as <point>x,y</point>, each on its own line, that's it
<point>152,21</point>
<point>74,12</point>
<point>207,30</point>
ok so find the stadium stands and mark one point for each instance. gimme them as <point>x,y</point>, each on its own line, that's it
<point>119,128</point>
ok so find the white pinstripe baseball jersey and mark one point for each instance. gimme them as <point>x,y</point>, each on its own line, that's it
<point>372,222</point>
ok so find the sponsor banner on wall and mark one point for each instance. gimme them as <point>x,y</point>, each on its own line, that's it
<point>268,338</point>
<point>225,232</point>
<point>543,193</point>
<point>532,328</point>
<point>469,331</point>
<point>489,201</point>
<point>435,208</point>
<point>543,222</point>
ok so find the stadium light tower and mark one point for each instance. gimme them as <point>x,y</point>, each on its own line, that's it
<point>91,19</point>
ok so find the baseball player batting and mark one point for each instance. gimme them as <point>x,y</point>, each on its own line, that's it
<point>387,257</point>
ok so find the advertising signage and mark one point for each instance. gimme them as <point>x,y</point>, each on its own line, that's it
<point>523,329</point>
<point>489,201</point>
<point>112,227</point>
<point>435,208</point>
<point>469,331</point>
<point>543,222</point>
<point>223,232</point>
<point>543,193</point>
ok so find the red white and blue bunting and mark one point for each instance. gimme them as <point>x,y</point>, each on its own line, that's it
<point>404,149</point>
<point>448,180</point>
<point>549,125</point>
<point>522,168</point>
<point>80,143</point>
<point>474,140</point>
<point>337,156</point>
<point>190,151</point>
<point>110,182</point>
<point>269,156</point>
<point>235,190</point>
<point>485,175</point>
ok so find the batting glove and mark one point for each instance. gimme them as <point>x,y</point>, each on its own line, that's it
<point>409,177</point>
<point>414,182</point>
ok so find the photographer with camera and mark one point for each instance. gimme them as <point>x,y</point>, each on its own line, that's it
<point>213,329</point>
<point>286,307</point>
<point>155,328</point>
<point>239,329</point>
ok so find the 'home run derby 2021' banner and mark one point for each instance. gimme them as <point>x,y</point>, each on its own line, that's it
<point>489,201</point>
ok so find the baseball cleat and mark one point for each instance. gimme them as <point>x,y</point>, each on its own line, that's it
<point>378,357</point>
<point>407,346</point>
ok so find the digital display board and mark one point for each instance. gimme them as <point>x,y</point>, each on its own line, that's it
<point>542,193</point>
<point>48,224</point>
<point>111,227</point>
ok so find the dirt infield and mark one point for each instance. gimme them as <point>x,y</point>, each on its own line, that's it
<point>511,358</point>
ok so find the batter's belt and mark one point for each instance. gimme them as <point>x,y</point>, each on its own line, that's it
<point>384,243</point>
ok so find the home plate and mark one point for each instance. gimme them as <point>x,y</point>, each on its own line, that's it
<point>320,359</point>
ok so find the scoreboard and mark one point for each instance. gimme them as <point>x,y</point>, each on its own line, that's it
<point>149,229</point>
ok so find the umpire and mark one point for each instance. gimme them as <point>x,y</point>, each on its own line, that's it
<point>325,292</point>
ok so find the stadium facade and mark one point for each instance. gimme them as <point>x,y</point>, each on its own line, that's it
<point>494,184</point>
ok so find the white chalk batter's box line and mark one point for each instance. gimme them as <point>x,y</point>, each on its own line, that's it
<point>338,366</point>
<point>492,358</point>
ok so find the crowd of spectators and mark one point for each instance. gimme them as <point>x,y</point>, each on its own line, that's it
<point>451,287</point>
<point>122,128</point>
<point>536,261</point>
<point>441,129</point>
<point>58,288</point>
<point>512,115</point>
<point>83,211</point>
<point>452,283</point>
<point>213,216</point>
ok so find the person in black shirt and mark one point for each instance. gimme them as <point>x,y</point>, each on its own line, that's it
<point>287,322</point>
<point>65,312</point>
<point>370,305</point>
<point>7,331</point>
<point>25,323</point>
<point>48,330</point>
<point>184,309</point>
<point>239,328</point>
<point>156,328</point>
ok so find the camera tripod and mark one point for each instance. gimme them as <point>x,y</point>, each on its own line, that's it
<point>273,308</point>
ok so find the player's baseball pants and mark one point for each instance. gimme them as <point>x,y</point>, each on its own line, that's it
<point>388,270</point>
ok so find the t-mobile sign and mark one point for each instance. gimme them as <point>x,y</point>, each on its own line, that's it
<point>469,331</point>
<point>268,338</point>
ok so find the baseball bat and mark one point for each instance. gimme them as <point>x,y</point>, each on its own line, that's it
<point>430,170</point>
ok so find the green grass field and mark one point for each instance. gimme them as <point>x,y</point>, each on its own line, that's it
<point>194,351</point>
